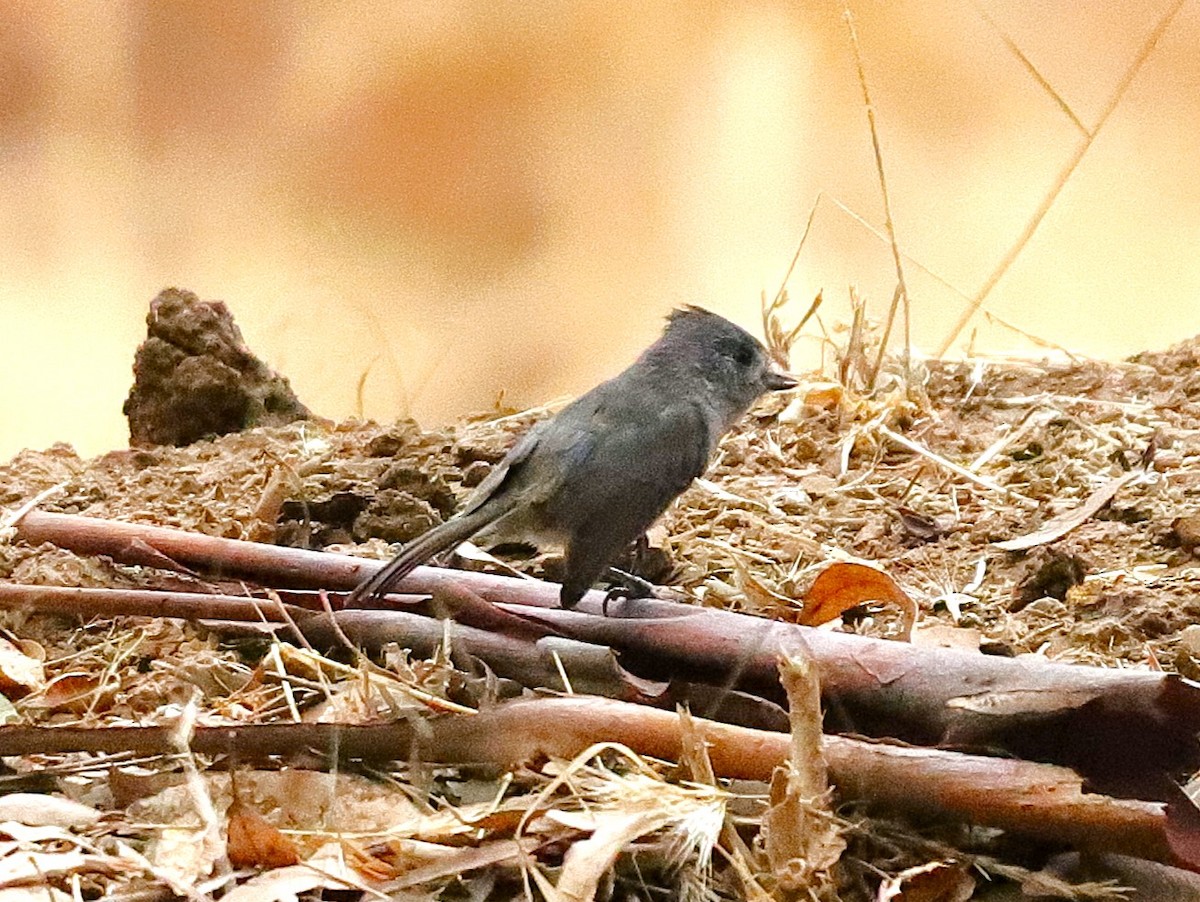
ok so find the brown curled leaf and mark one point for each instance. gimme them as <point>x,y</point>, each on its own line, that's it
<point>844,585</point>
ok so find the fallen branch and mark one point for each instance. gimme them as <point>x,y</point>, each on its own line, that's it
<point>536,660</point>
<point>81,602</point>
<point>1126,731</point>
<point>1034,800</point>
<point>1130,733</point>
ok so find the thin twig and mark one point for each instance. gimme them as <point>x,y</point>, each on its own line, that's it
<point>1132,407</point>
<point>942,280</point>
<point>808,314</point>
<point>897,296</point>
<point>862,221</point>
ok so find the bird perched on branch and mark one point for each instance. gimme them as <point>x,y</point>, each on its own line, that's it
<point>594,477</point>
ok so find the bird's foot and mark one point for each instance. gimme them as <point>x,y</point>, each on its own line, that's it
<point>625,586</point>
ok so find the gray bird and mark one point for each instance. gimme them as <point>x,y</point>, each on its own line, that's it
<point>593,478</point>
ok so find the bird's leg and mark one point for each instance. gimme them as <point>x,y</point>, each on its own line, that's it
<point>626,586</point>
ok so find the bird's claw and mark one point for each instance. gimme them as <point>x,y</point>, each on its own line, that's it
<point>626,586</point>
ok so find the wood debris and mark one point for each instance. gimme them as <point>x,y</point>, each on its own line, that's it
<point>150,680</point>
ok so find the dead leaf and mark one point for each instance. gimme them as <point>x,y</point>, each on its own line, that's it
<point>22,866</point>
<point>1057,527</point>
<point>824,396</point>
<point>458,861</point>
<point>325,870</point>
<point>918,525</point>
<point>183,856</point>
<point>843,585</point>
<point>20,674</point>
<point>253,843</point>
<point>41,810</point>
<point>588,860</point>
<point>73,692</point>
<point>28,647</point>
<point>470,553</point>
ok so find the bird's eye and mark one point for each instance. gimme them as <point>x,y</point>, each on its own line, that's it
<point>743,356</point>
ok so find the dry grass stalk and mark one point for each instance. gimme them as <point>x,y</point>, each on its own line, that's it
<point>779,342</point>
<point>1036,75</point>
<point>1031,338</point>
<point>616,809</point>
<point>853,367</point>
<point>954,468</point>
<point>1059,526</point>
<point>1089,137</point>
<point>900,296</point>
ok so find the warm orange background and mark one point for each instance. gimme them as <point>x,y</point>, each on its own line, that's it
<point>470,197</point>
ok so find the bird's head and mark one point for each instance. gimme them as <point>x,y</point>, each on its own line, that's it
<point>734,365</point>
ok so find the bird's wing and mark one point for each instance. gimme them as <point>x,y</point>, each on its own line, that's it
<point>670,448</point>
<point>621,432</point>
<point>501,473</point>
<point>637,459</point>
<point>638,465</point>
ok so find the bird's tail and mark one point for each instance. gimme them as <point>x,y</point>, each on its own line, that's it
<point>441,538</point>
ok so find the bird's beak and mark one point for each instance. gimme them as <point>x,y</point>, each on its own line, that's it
<point>778,380</point>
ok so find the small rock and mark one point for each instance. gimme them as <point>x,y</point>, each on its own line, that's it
<point>194,377</point>
<point>1048,573</point>
<point>1186,532</point>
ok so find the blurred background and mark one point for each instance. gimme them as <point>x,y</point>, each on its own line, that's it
<point>455,200</point>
